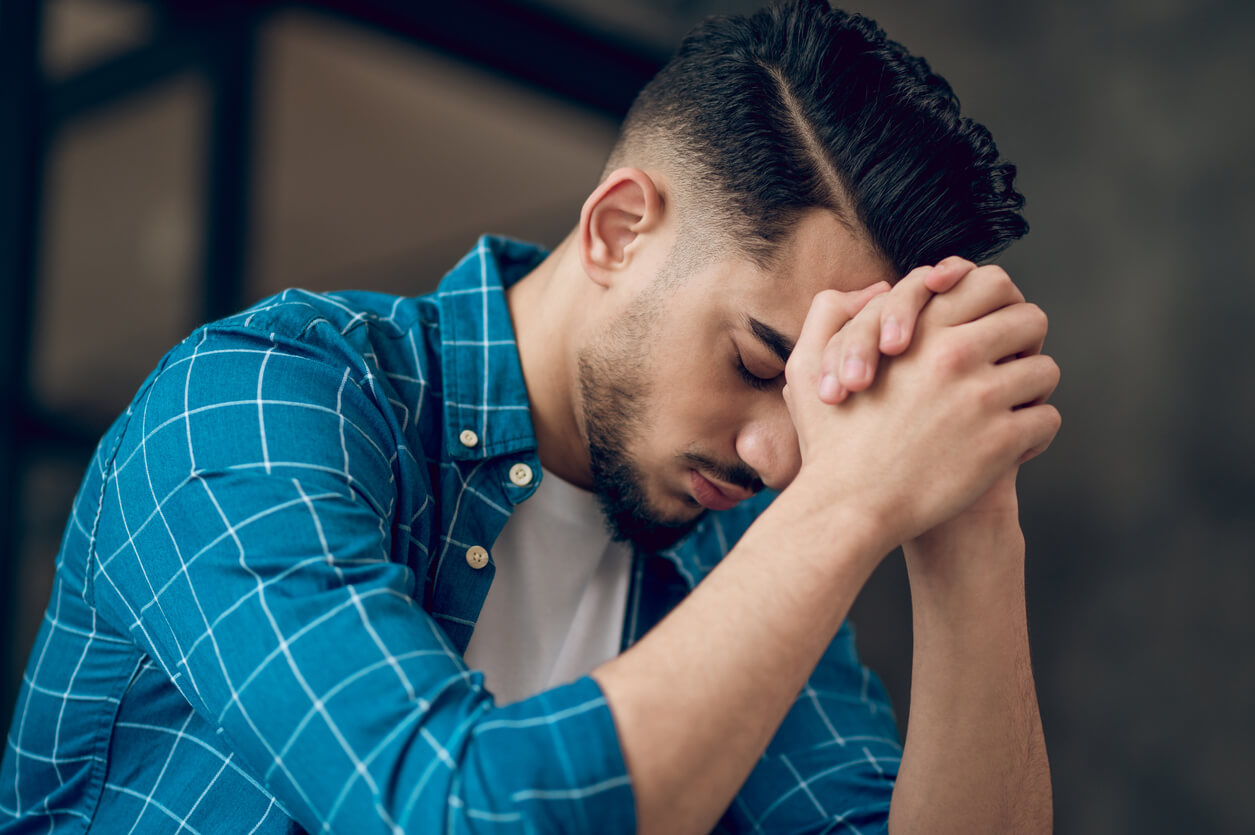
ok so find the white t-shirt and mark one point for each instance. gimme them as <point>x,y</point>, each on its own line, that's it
<point>555,608</point>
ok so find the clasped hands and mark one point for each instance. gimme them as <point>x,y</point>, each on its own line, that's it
<point>960,403</point>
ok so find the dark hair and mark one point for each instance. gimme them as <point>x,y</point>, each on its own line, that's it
<point>802,106</point>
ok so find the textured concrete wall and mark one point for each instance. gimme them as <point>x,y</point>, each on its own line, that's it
<point>1133,127</point>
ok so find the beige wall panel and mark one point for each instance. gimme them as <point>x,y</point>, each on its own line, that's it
<point>120,254</point>
<point>79,33</point>
<point>379,163</point>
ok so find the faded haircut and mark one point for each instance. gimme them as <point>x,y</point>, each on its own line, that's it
<point>799,106</point>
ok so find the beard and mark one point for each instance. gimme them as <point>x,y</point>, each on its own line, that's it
<point>616,399</point>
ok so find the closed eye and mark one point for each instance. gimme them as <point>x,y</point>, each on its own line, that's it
<point>751,379</point>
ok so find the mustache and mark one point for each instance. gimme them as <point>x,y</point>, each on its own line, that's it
<point>738,474</point>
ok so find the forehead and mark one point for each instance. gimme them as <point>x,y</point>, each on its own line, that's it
<point>824,253</point>
<point>821,253</point>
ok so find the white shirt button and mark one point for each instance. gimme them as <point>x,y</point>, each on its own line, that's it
<point>476,557</point>
<point>468,438</point>
<point>521,474</point>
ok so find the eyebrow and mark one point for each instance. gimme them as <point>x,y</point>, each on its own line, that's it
<point>776,342</point>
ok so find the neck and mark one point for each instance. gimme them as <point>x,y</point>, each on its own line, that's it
<point>543,306</point>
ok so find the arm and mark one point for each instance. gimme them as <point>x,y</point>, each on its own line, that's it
<point>975,758</point>
<point>833,763</point>
<point>697,700</point>
<point>250,543</point>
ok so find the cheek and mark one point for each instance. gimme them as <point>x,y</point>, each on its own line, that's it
<point>696,392</point>
<point>702,412</point>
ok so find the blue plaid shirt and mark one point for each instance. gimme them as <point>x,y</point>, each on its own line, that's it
<point>264,593</point>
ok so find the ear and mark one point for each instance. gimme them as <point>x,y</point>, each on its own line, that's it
<point>626,205</point>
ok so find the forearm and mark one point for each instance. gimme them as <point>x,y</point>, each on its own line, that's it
<point>698,699</point>
<point>975,758</point>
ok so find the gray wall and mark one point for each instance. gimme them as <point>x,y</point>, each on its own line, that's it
<point>1132,125</point>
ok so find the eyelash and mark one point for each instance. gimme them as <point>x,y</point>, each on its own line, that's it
<point>752,380</point>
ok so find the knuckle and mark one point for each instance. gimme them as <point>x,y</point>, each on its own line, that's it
<point>986,396</point>
<point>952,357</point>
<point>1031,321</point>
<point>793,372</point>
<point>994,272</point>
<point>826,299</point>
<point>995,277</point>
<point>1054,419</point>
<point>1039,315</point>
<point>921,293</point>
<point>1052,369</point>
<point>917,274</point>
<point>912,280</point>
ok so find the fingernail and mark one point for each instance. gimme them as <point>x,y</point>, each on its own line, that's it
<point>829,387</point>
<point>890,332</point>
<point>854,369</point>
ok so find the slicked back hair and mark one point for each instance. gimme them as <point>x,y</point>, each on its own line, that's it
<point>802,106</point>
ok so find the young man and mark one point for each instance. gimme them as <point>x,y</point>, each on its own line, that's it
<point>329,529</point>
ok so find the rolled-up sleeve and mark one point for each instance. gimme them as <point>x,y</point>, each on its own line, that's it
<point>832,765</point>
<point>247,541</point>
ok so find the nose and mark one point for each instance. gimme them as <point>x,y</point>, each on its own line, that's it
<point>768,443</point>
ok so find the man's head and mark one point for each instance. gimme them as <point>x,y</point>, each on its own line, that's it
<point>802,106</point>
<point>774,156</point>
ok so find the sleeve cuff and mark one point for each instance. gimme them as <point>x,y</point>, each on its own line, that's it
<point>561,753</point>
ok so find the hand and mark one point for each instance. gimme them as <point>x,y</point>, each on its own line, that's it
<point>961,406</point>
<point>850,359</point>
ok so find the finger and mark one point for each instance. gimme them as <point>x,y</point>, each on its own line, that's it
<point>855,343</point>
<point>1025,383</point>
<point>982,291</point>
<point>831,389</point>
<point>902,306</point>
<point>1039,425</point>
<point>829,311</point>
<point>947,273</point>
<point>1017,330</point>
<point>853,355</point>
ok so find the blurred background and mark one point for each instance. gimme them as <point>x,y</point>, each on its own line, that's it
<point>162,164</point>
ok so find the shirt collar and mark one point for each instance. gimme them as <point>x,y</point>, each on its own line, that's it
<point>484,390</point>
<point>486,408</point>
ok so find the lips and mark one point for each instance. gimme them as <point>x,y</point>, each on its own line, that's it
<point>713,496</point>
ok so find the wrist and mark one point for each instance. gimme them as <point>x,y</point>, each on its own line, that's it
<point>837,517</point>
<point>967,580</point>
<point>971,543</point>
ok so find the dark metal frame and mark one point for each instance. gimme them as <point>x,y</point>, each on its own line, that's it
<point>21,168</point>
<point>217,39</point>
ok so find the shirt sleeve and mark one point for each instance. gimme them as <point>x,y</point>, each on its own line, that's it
<point>246,542</point>
<point>832,764</point>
